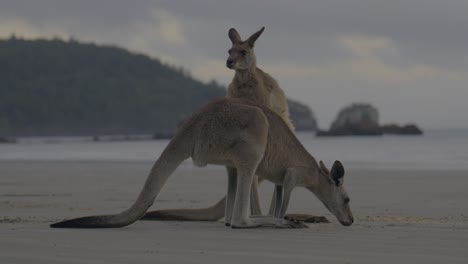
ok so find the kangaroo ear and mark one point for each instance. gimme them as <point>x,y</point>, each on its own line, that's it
<point>234,36</point>
<point>251,40</point>
<point>324,168</point>
<point>337,173</point>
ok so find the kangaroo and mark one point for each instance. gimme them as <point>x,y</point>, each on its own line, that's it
<point>251,83</point>
<point>250,140</point>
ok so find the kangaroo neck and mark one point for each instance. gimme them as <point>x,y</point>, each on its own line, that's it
<point>299,157</point>
<point>247,75</point>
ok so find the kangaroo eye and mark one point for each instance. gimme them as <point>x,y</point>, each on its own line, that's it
<point>346,200</point>
<point>243,52</point>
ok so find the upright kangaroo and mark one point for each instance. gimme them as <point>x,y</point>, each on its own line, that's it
<point>250,140</point>
<point>250,83</point>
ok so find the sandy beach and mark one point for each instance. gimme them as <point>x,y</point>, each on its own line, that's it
<point>402,216</point>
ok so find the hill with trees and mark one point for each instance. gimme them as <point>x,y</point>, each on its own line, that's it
<point>56,87</point>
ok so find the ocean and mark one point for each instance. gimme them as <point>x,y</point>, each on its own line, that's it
<point>437,149</point>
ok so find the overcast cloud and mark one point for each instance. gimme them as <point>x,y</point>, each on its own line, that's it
<point>409,58</point>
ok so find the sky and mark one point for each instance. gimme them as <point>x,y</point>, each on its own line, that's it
<point>409,58</point>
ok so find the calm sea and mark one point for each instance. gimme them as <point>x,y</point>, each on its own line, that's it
<point>437,149</point>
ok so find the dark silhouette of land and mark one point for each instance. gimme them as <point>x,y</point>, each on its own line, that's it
<point>56,87</point>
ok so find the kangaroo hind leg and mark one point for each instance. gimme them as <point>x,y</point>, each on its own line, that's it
<point>231,193</point>
<point>255,208</point>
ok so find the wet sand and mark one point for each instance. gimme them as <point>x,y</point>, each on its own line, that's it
<point>411,216</point>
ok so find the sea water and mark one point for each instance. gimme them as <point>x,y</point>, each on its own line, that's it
<point>436,149</point>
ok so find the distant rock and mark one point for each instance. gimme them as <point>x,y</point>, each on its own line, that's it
<point>363,120</point>
<point>163,135</point>
<point>302,116</point>
<point>120,138</point>
<point>7,140</point>
<point>408,129</point>
<point>356,119</point>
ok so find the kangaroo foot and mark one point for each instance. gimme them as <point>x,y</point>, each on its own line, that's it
<point>306,218</point>
<point>270,222</point>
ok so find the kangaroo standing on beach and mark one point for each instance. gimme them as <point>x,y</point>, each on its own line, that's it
<point>251,83</point>
<point>249,140</point>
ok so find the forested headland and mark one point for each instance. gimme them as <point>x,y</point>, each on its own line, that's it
<point>56,88</point>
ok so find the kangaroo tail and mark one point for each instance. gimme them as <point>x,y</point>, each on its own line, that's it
<point>175,153</point>
<point>212,213</point>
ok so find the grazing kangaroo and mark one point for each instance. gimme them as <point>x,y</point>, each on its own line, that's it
<point>253,84</point>
<point>250,140</point>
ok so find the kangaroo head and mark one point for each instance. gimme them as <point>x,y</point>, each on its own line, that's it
<point>241,54</point>
<point>331,192</point>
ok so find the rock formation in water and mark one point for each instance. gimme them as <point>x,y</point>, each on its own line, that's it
<point>363,120</point>
<point>7,140</point>
<point>302,116</point>
<point>395,129</point>
<point>356,119</point>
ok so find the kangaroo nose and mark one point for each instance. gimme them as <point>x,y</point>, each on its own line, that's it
<point>230,63</point>
<point>347,223</point>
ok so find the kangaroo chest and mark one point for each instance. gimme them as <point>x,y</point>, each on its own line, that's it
<point>253,91</point>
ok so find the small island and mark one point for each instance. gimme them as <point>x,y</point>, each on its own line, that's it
<point>7,140</point>
<point>363,120</point>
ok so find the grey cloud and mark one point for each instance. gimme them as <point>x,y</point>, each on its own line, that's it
<point>421,26</point>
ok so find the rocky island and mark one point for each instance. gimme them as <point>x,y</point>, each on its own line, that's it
<point>302,116</point>
<point>7,140</point>
<point>363,120</point>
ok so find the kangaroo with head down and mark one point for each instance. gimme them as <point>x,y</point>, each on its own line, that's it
<point>251,83</point>
<point>250,140</point>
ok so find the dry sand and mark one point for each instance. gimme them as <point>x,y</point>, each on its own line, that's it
<point>401,217</point>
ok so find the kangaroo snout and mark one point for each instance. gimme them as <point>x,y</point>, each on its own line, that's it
<point>348,222</point>
<point>230,63</point>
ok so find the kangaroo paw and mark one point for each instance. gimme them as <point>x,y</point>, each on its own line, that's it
<point>306,218</point>
<point>269,222</point>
